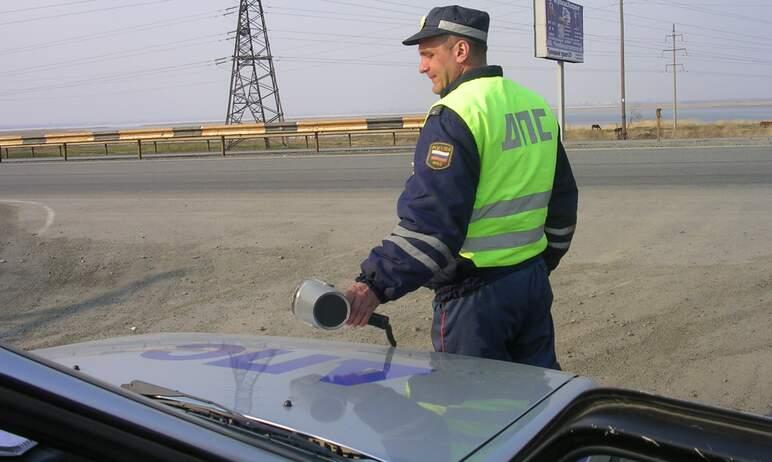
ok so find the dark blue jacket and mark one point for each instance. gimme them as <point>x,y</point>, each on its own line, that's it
<point>434,212</point>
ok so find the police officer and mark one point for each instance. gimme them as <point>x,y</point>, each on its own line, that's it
<point>489,210</point>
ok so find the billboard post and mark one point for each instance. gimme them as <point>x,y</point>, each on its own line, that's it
<point>562,99</point>
<point>559,36</point>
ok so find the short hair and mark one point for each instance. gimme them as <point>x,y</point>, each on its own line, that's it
<point>477,50</point>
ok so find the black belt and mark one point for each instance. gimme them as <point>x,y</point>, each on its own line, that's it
<point>469,278</point>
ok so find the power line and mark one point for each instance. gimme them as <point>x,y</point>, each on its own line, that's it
<point>658,21</point>
<point>153,25</point>
<point>313,59</point>
<point>49,5</point>
<point>369,19</point>
<point>142,90</point>
<point>369,55</point>
<point>378,40</point>
<point>514,29</point>
<point>77,13</point>
<point>195,41</point>
<point>375,42</point>
<point>500,3</point>
<point>112,32</point>
<point>525,28</point>
<point>355,61</point>
<point>381,41</point>
<point>331,34</point>
<point>723,14</point>
<point>731,59</point>
<point>359,5</point>
<point>757,43</point>
<point>342,61</point>
<point>113,77</point>
<point>731,3</point>
<point>390,2</point>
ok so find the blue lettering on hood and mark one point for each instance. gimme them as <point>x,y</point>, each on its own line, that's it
<point>246,362</point>
<point>216,350</point>
<point>347,372</point>
<point>358,371</point>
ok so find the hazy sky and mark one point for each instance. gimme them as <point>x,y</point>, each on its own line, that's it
<point>100,62</point>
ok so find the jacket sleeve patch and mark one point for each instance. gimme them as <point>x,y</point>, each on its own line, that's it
<point>436,110</point>
<point>439,156</point>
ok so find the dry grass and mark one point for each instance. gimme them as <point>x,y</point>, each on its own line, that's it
<point>647,130</point>
<point>330,141</point>
<point>277,144</point>
<point>642,130</point>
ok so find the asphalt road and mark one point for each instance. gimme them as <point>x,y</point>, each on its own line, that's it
<point>742,165</point>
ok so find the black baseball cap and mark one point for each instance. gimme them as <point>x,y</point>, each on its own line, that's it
<point>454,20</point>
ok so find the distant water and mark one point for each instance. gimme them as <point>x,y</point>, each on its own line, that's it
<point>604,116</point>
<point>612,116</point>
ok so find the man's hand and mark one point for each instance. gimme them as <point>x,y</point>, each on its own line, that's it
<point>363,302</point>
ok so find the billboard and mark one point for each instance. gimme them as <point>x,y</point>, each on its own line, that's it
<point>559,30</point>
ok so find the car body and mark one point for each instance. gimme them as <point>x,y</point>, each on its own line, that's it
<point>336,401</point>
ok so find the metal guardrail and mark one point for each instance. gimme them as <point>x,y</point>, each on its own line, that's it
<point>222,133</point>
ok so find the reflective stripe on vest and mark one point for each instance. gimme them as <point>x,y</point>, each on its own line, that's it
<point>516,136</point>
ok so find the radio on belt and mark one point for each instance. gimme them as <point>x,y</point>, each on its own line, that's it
<point>319,304</point>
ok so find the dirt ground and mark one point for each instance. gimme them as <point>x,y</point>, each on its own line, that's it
<point>665,289</point>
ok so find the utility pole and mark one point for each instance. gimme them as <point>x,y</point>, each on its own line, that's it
<point>254,92</point>
<point>622,57</point>
<point>675,65</point>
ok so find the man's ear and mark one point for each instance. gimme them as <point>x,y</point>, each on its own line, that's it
<point>463,51</point>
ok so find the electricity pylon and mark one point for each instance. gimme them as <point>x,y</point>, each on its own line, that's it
<point>675,67</point>
<point>254,92</point>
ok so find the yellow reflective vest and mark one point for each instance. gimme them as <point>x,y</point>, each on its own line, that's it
<point>517,140</point>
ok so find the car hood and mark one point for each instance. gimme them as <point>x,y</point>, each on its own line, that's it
<point>388,404</point>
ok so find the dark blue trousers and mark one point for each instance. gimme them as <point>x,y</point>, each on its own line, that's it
<point>507,319</point>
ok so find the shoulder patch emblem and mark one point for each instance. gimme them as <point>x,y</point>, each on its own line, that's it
<point>436,110</point>
<point>439,156</point>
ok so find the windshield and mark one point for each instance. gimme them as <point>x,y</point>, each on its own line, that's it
<point>258,428</point>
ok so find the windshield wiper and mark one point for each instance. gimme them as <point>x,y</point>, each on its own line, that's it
<point>224,416</point>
